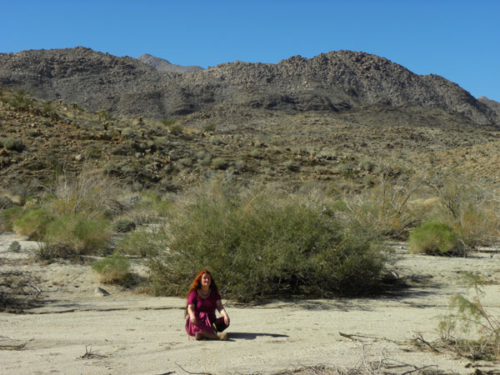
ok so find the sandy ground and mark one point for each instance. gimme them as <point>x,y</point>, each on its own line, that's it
<point>77,331</point>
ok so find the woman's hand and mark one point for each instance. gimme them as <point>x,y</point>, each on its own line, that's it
<point>192,317</point>
<point>226,319</point>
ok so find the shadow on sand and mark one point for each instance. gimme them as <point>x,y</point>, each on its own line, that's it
<point>252,336</point>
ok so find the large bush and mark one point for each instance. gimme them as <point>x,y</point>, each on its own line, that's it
<point>265,246</point>
<point>435,238</point>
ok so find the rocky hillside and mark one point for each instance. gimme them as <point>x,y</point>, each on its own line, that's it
<point>40,140</point>
<point>166,66</point>
<point>332,82</point>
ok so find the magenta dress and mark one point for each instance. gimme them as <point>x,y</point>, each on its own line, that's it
<point>204,310</point>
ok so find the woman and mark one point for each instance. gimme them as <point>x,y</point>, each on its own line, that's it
<point>203,299</point>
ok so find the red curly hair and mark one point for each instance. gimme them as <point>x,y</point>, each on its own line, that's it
<point>196,284</point>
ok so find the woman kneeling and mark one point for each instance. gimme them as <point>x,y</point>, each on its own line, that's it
<point>203,299</point>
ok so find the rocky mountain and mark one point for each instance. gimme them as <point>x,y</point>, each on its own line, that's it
<point>166,66</point>
<point>333,82</point>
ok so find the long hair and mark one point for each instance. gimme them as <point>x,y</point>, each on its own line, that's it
<point>196,284</point>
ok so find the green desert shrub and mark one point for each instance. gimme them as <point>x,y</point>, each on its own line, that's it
<point>292,166</point>
<point>176,129</point>
<point>210,127</point>
<point>13,144</point>
<point>8,216</point>
<point>261,246</point>
<point>15,247</point>
<point>168,122</point>
<point>33,223</point>
<point>80,234</point>
<point>435,238</point>
<point>219,163</point>
<point>123,226</point>
<point>114,269</point>
<point>186,162</point>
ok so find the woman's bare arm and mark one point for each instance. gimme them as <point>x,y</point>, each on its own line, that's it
<point>190,309</point>
<point>222,311</point>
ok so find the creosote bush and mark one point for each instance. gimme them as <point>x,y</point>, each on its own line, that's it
<point>114,269</point>
<point>435,238</point>
<point>265,245</point>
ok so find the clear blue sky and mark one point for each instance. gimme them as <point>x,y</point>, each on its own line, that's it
<point>457,39</point>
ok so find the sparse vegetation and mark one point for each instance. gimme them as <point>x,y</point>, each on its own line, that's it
<point>309,197</point>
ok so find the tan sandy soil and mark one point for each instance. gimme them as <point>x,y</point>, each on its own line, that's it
<point>131,333</point>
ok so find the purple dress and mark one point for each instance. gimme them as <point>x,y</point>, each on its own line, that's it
<point>204,311</point>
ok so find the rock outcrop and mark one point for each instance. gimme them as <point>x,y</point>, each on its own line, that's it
<point>166,66</point>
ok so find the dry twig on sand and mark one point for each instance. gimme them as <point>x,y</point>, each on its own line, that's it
<point>14,347</point>
<point>88,353</point>
<point>419,341</point>
<point>357,337</point>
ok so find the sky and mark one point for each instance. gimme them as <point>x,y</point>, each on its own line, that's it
<point>456,39</point>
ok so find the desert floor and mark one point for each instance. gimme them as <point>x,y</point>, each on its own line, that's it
<point>76,331</point>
